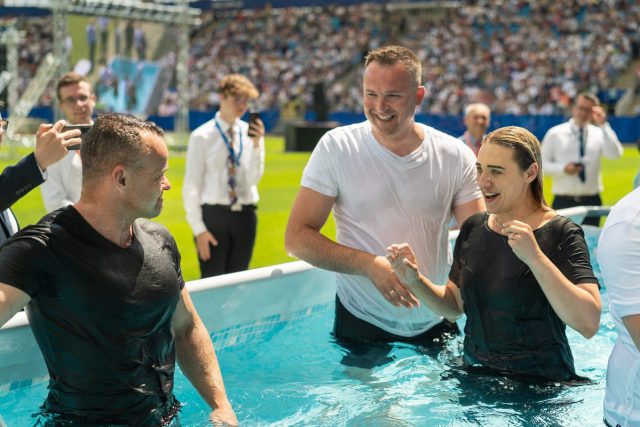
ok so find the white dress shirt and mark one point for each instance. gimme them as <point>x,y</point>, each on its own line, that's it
<point>9,225</point>
<point>64,182</point>
<point>206,179</point>
<point>619,259</point>
<point>561,145</point>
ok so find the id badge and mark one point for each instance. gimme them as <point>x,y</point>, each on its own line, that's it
<point>237,207</point>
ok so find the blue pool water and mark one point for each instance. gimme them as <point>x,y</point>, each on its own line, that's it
<point>293,376</point>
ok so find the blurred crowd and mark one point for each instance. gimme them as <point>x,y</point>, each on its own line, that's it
<point>519,57</point>
<point>523,57</point>
<point>35,45</point>
<point>284,51</point>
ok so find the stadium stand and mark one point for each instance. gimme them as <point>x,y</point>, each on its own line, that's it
<point>524,59</point>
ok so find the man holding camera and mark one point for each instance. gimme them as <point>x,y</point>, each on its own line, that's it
<point>225,161</point>
<point>17,180</point>
<point>571,153</point>
<point>77,101</point>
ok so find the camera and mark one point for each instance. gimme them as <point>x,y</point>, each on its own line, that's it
<point>84,129</point>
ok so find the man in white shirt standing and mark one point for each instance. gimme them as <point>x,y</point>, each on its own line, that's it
<point>571,154</point>
<point>387,179</point>
<point>477,118</point>
<point>64,183</point>
<point>225,161</point>
<point>619,258</point>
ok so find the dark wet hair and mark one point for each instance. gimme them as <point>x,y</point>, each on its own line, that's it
<point>115,139</point>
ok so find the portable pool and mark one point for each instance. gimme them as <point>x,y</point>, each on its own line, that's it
<point>272,331</point>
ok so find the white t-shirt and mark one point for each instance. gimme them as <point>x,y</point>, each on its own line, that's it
<point>619,258</point>
<point>383,198</point>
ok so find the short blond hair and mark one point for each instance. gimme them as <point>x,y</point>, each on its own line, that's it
<point>391,55</point>
<point>237,84</point>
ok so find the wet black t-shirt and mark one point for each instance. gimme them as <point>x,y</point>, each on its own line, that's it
<point>101,315</point>
<point>511,325</point>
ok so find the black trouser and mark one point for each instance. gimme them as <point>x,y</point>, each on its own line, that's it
<point>562,202</point>
<point>235,232</point>
<point>368,345</point>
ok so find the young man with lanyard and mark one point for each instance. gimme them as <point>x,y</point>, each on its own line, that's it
<point>225,161</point>
<point>476,119</point>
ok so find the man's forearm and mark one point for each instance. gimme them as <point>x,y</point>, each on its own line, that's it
<point>311,246</point>
<point>198,361</point>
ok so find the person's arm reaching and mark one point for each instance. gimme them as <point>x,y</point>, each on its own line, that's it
<point>198,361</point>
<point>11,301</point>
<point>256,163</point>
<point>304,241</point>
<point>611,149</point>
<point>52,143</point>
<point>17,180</point>
<point>444,300</point>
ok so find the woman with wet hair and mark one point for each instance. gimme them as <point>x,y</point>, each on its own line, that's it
<point>520,273</point>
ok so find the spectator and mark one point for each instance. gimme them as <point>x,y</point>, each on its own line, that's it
<point>477,117</point>
<point>225,161</point>
<point>91,41</point>
<point>571,153</point>
<point>103,30</point>
<point>128,37</point>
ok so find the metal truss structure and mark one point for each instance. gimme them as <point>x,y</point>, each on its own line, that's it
<point>176,13</point>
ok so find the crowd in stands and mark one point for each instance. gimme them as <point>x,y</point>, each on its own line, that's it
<point>283,50</point>
<point>519,57</point>
<point>36,43</point>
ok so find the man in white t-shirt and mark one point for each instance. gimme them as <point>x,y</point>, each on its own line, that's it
<point>388,179</point>
<point>619,258</point>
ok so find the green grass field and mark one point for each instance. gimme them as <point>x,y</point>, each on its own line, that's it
<point>277,191</point>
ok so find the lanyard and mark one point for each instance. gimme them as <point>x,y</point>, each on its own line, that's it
<point>232,153</point>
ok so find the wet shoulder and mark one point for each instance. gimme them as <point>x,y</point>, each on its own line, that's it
<point>55,221</point>
<point>345,139</point>
<point>445,145</point>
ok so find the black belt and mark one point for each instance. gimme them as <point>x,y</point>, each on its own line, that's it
<point>577,199</point>
<point>229,208</point>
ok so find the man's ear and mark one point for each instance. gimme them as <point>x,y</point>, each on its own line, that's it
<point>119,177</point>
